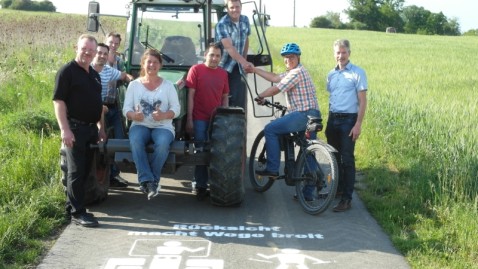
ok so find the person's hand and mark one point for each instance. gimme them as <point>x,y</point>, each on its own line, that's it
<point>355,132</point>
<point>248,67</point>
<point>67,138</point>
<point>259,100</point>
<point>137,114</point>
<point>102,136</point>
<point>105,109</point>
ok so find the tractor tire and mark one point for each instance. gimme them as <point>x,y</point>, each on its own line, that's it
<point>97,182</point>
<point>228,154</point>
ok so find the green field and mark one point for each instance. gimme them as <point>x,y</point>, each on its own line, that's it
<point>418,149</point>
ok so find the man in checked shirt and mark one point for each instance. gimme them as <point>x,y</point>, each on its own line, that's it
<point>297,84</point>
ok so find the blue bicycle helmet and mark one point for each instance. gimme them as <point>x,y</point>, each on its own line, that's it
<point>290,48</point>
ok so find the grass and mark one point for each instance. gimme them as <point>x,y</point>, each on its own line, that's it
<point>418,149</point>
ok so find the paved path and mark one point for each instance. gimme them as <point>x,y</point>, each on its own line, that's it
<point>268,230</point>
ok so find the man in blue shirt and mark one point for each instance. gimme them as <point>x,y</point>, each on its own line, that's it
<point>347,85</point>
<point>233,31</point>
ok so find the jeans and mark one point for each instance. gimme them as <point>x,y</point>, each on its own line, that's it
<point>337,132</point>
<point>149,166</point>
<point>237,88</point>
<point>79,160</point>
<point>292,122</point>
<point>113,119</point>
<point>200,135</point>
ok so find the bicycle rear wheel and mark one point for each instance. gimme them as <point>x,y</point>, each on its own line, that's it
<point>316,177</point>
<point>258,161</point>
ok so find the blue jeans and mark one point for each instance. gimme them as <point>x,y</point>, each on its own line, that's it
<point>200,135</point>
<point>292,122</point>
<point>237,88</point>
<point>149,167</point>
<point>113,119</point>
<point>337,132</point>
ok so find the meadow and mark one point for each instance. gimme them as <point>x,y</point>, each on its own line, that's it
<point>418,148</point>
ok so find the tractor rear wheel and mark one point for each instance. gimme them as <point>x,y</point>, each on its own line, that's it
<point>227,164</point>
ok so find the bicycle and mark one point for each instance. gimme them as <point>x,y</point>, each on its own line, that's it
<point>314,170</point>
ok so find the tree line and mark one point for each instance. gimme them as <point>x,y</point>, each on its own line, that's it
<point>28,5</point>
<point>377,15</point>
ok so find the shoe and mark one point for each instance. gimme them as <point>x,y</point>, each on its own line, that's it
<point>143,187</point>
<point>153,189</point>
<point>202,194</point>
<point>118,182</point>
<point>85,220</point>
<point>266,173</point>
<point>343,205</point>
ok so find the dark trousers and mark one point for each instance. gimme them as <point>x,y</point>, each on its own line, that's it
<point>79,162</point>
<point>337,132</point>
<point>237,89</point>
<point>113,119</point>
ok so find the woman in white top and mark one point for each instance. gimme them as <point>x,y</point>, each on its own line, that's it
<point>151,103</point>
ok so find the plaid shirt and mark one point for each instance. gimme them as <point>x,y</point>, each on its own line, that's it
<point>225,28</point>
<point>299,89</point>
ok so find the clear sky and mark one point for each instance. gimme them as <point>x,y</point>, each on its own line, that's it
<point>282,11</point>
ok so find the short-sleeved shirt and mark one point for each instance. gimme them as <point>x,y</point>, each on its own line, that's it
<point>210,86</point>
<point>344,86</point>
<point>299,88</point>
<point>81,92</point>
<point>239,32</point>
<point>109,76</point>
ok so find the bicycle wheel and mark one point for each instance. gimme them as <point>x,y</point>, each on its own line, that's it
<point>258,161</point>
<point>316,177</point>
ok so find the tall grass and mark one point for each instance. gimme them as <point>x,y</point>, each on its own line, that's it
<point>418,149</point>
<point>419,144</point>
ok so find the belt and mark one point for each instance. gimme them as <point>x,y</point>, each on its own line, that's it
<point>73,120</point>
<point>342,115</point>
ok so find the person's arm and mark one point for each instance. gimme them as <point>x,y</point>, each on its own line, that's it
<point>102,136</point>
<point>246,48</point>
<point>231,50</point>
<point>189,121</point>
<point>126,77</point>
<point>225,100</point>
<point>67,136</point>
<point>357,129</point>
<point>269,76</point>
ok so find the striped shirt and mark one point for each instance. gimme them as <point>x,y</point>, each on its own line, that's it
<point>299,89</point>
<point>109,76</point>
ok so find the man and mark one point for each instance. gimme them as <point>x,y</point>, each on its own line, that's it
<point>347,85</point>
<point>78,110</point>
<point>301,95</point>
<point>113,40</point>
<point>233,31</point>
<point>109,94</point>
<point>208,89</point>
<point>113,118</point>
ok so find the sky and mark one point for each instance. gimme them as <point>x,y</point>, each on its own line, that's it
<point>282,11</point>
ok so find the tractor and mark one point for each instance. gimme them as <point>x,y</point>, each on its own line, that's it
<point>181,30</point>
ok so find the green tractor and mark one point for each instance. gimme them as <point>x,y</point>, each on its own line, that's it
<point>181,30</point>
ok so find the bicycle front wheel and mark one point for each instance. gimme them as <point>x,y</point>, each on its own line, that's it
<point>316,177</point>
<point>258,161</point>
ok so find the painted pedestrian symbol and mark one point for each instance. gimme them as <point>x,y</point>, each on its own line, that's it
<point>292,258</point>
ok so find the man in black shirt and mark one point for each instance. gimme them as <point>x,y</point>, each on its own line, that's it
<point>78,109</point>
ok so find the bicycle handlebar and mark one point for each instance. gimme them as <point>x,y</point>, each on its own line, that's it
<point>265,102</point>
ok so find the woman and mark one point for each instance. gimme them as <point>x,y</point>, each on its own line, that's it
<point>151,103</point>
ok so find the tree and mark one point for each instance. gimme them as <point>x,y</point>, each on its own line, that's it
<point>471,32</point>
<point>376,15</point>
<point>6,3</point>
<point>320,22</point>
<point>29,5</point>
<point>334,18</point>
<point>414,18</point>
